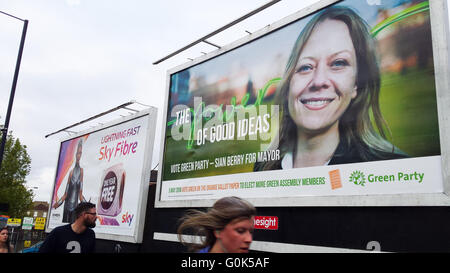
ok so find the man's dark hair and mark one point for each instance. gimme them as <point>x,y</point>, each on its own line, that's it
<point>83,207</point>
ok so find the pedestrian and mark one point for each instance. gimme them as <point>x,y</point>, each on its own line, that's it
<point>77,237</point>
<point>5,245</point>
<point>227,227</point>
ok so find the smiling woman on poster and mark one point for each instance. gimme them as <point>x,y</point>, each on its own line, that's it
<point>329,91</point>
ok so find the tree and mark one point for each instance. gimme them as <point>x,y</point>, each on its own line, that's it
<point>16,166</point>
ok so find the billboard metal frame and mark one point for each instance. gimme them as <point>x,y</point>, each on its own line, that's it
<point>441,57</point>
<point>145,176</point>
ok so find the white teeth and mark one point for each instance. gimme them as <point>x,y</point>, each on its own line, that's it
<point>316,103</point>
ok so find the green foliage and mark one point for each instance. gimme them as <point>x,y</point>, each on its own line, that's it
<point>15,167</point>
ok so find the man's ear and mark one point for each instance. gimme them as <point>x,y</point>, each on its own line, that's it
<point>217,233</point>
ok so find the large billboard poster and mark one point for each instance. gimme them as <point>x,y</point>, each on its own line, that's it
<point>109,167</point>
<point>341,102</point>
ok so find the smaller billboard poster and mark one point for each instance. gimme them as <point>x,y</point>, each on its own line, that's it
<point>109,167</point>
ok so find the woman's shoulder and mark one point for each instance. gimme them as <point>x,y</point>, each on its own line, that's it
<point>354,154</point>
<point>264,166</point>
<point>387,155</point>
<point>5,249</point>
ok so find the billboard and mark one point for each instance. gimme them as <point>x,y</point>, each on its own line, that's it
<point>334,105</point>
<point>110,167</point>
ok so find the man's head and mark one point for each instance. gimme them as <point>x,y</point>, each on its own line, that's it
<point>87,213</point>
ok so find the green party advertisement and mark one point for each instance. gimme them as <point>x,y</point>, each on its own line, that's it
<point>295,111</point>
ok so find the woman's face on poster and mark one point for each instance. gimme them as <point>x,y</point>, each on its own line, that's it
<point>79,152</point>
<point>323,83</point>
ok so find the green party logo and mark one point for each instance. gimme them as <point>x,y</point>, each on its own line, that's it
<point>358,178</point>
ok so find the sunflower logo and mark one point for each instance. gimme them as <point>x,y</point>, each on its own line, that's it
<point>358,178</point>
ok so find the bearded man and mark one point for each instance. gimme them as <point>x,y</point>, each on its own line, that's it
<point>77,237</point>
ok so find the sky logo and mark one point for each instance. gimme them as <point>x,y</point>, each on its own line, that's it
<point>127,218</point>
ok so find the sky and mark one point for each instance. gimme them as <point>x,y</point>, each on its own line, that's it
<point>84,57</point>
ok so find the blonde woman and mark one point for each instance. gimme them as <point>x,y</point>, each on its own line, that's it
<point>227,227</point>
<point>329,90</point>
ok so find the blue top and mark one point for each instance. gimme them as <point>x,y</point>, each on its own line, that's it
<point>204,250</point>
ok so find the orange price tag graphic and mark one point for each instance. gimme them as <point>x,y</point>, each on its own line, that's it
<point>335,178</point>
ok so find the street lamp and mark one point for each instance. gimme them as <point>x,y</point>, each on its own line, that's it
<point>4,130</point>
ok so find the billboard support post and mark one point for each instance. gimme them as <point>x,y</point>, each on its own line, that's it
<point>442,60</point>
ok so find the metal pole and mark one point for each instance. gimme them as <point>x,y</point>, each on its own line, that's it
<point>203,39</point>
<point>94,117</point>
<point>13,91</point>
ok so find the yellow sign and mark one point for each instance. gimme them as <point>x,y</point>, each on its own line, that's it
<point>40,223</point>
<point>26,243</point>
<point>14,222</point>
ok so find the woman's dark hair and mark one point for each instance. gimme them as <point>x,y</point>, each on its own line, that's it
<point>8,242</point>
<point>83,207</point>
